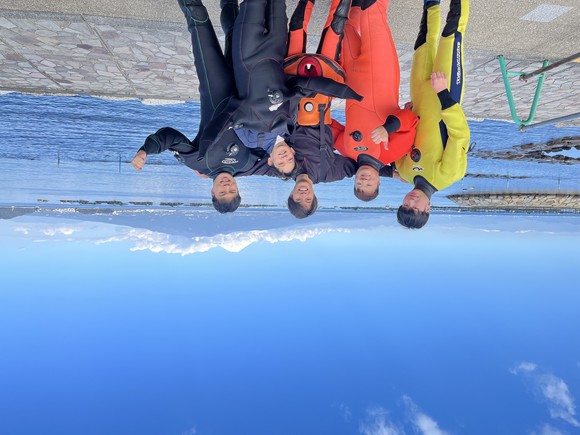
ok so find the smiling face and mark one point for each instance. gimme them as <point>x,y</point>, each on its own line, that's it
<point>303,192</point>
<point>282,158</point>
<point>225,188</point>
<point>367,182</point>
<point>417,201</point>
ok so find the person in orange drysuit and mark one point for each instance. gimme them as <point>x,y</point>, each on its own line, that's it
<point>377,131</point>
<point>312,137</point>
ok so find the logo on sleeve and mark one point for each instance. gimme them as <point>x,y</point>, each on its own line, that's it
<point>229,161</point>
<point>360,148</point>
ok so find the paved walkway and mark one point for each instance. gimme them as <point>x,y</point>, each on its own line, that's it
<point>122,51</point>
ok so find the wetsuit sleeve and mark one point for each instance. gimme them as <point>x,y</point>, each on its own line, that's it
<point>454,161</point>
<point>309,86</point>
<point>338,136</point>
<point>340,168</point>
<point>167,138</point>
<point>402,139</point>
<point>386,171</point>
<point>401,121</point>
<point>446,99</point>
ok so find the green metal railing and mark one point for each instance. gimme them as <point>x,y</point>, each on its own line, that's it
<point>541,72</point>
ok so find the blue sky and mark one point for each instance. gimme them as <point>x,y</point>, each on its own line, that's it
<point>185,322</point>
<point>344,333</point>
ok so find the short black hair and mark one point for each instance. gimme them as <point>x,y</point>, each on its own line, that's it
<point>297,210</point>
<point>287,176</point>
<point>366,196</point>
<point>226,206</point>
<point>412,219</point>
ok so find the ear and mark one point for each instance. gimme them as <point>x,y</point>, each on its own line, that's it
<point>428,208</point>
<point>212,193</point>
<point>292,150</point>
<point>270,161</point>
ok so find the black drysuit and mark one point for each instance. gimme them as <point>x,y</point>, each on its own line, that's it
<point>266,99</point>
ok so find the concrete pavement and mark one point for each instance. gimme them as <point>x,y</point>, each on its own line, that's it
<point>140,49</point>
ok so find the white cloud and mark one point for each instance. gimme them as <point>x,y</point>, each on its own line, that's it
<point>377,423</point>
<point>345,410</point>
<point>548,430</point>
<point>421,422</point>
<point>552,390</point>
<point>48,230</point>
<point>524,366</point>
<point>560,401</point>
<point>67,231</point>
<point>232,242</point>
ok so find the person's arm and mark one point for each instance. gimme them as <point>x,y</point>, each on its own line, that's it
<point>387,171</point>
<point>309,86</point>
<point>163,139</point>
<point>339,168</point>
<point>403,122</point>
<point>454,160</point>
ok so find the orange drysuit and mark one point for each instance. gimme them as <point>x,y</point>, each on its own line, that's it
<point>371,65</point>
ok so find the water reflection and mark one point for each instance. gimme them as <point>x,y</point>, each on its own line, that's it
<point>124,298</point>
<point>343,324</point>
<point>82,146</point>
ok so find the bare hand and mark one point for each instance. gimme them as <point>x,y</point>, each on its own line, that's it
<point>200,174</point>
<point>139,160</point>
<point>408,105</point>
<point>438,81</point>
<point>379,135</point>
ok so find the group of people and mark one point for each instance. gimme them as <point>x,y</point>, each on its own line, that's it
<point>265,103</point>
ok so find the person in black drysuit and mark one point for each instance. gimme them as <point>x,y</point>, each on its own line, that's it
<point>266,99</point>
<point>230,157</point>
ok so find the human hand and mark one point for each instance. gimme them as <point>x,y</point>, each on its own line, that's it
<point>408,105</point>
<point>397,176</point>
<point>379,135</point>
<point>438,81</point>
<point>139,160</point>
<point>200,174</point>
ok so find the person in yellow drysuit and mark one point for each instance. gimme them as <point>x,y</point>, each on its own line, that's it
<point>439,156</point>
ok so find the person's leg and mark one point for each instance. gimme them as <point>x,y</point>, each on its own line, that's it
<point>378,61</point>
<point>331,40</point>
<point>351,42</point>
<point>298,30</point>
<point>260,33</point>
<point>228,17</point>
<point>449,57</point>
<point>351,46</point>
<point>424,56</point>
<point>216,83</point>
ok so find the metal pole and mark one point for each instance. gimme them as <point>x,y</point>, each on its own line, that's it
<point>526,76</point>
<point>505,73</point>
<point>550,121</point>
